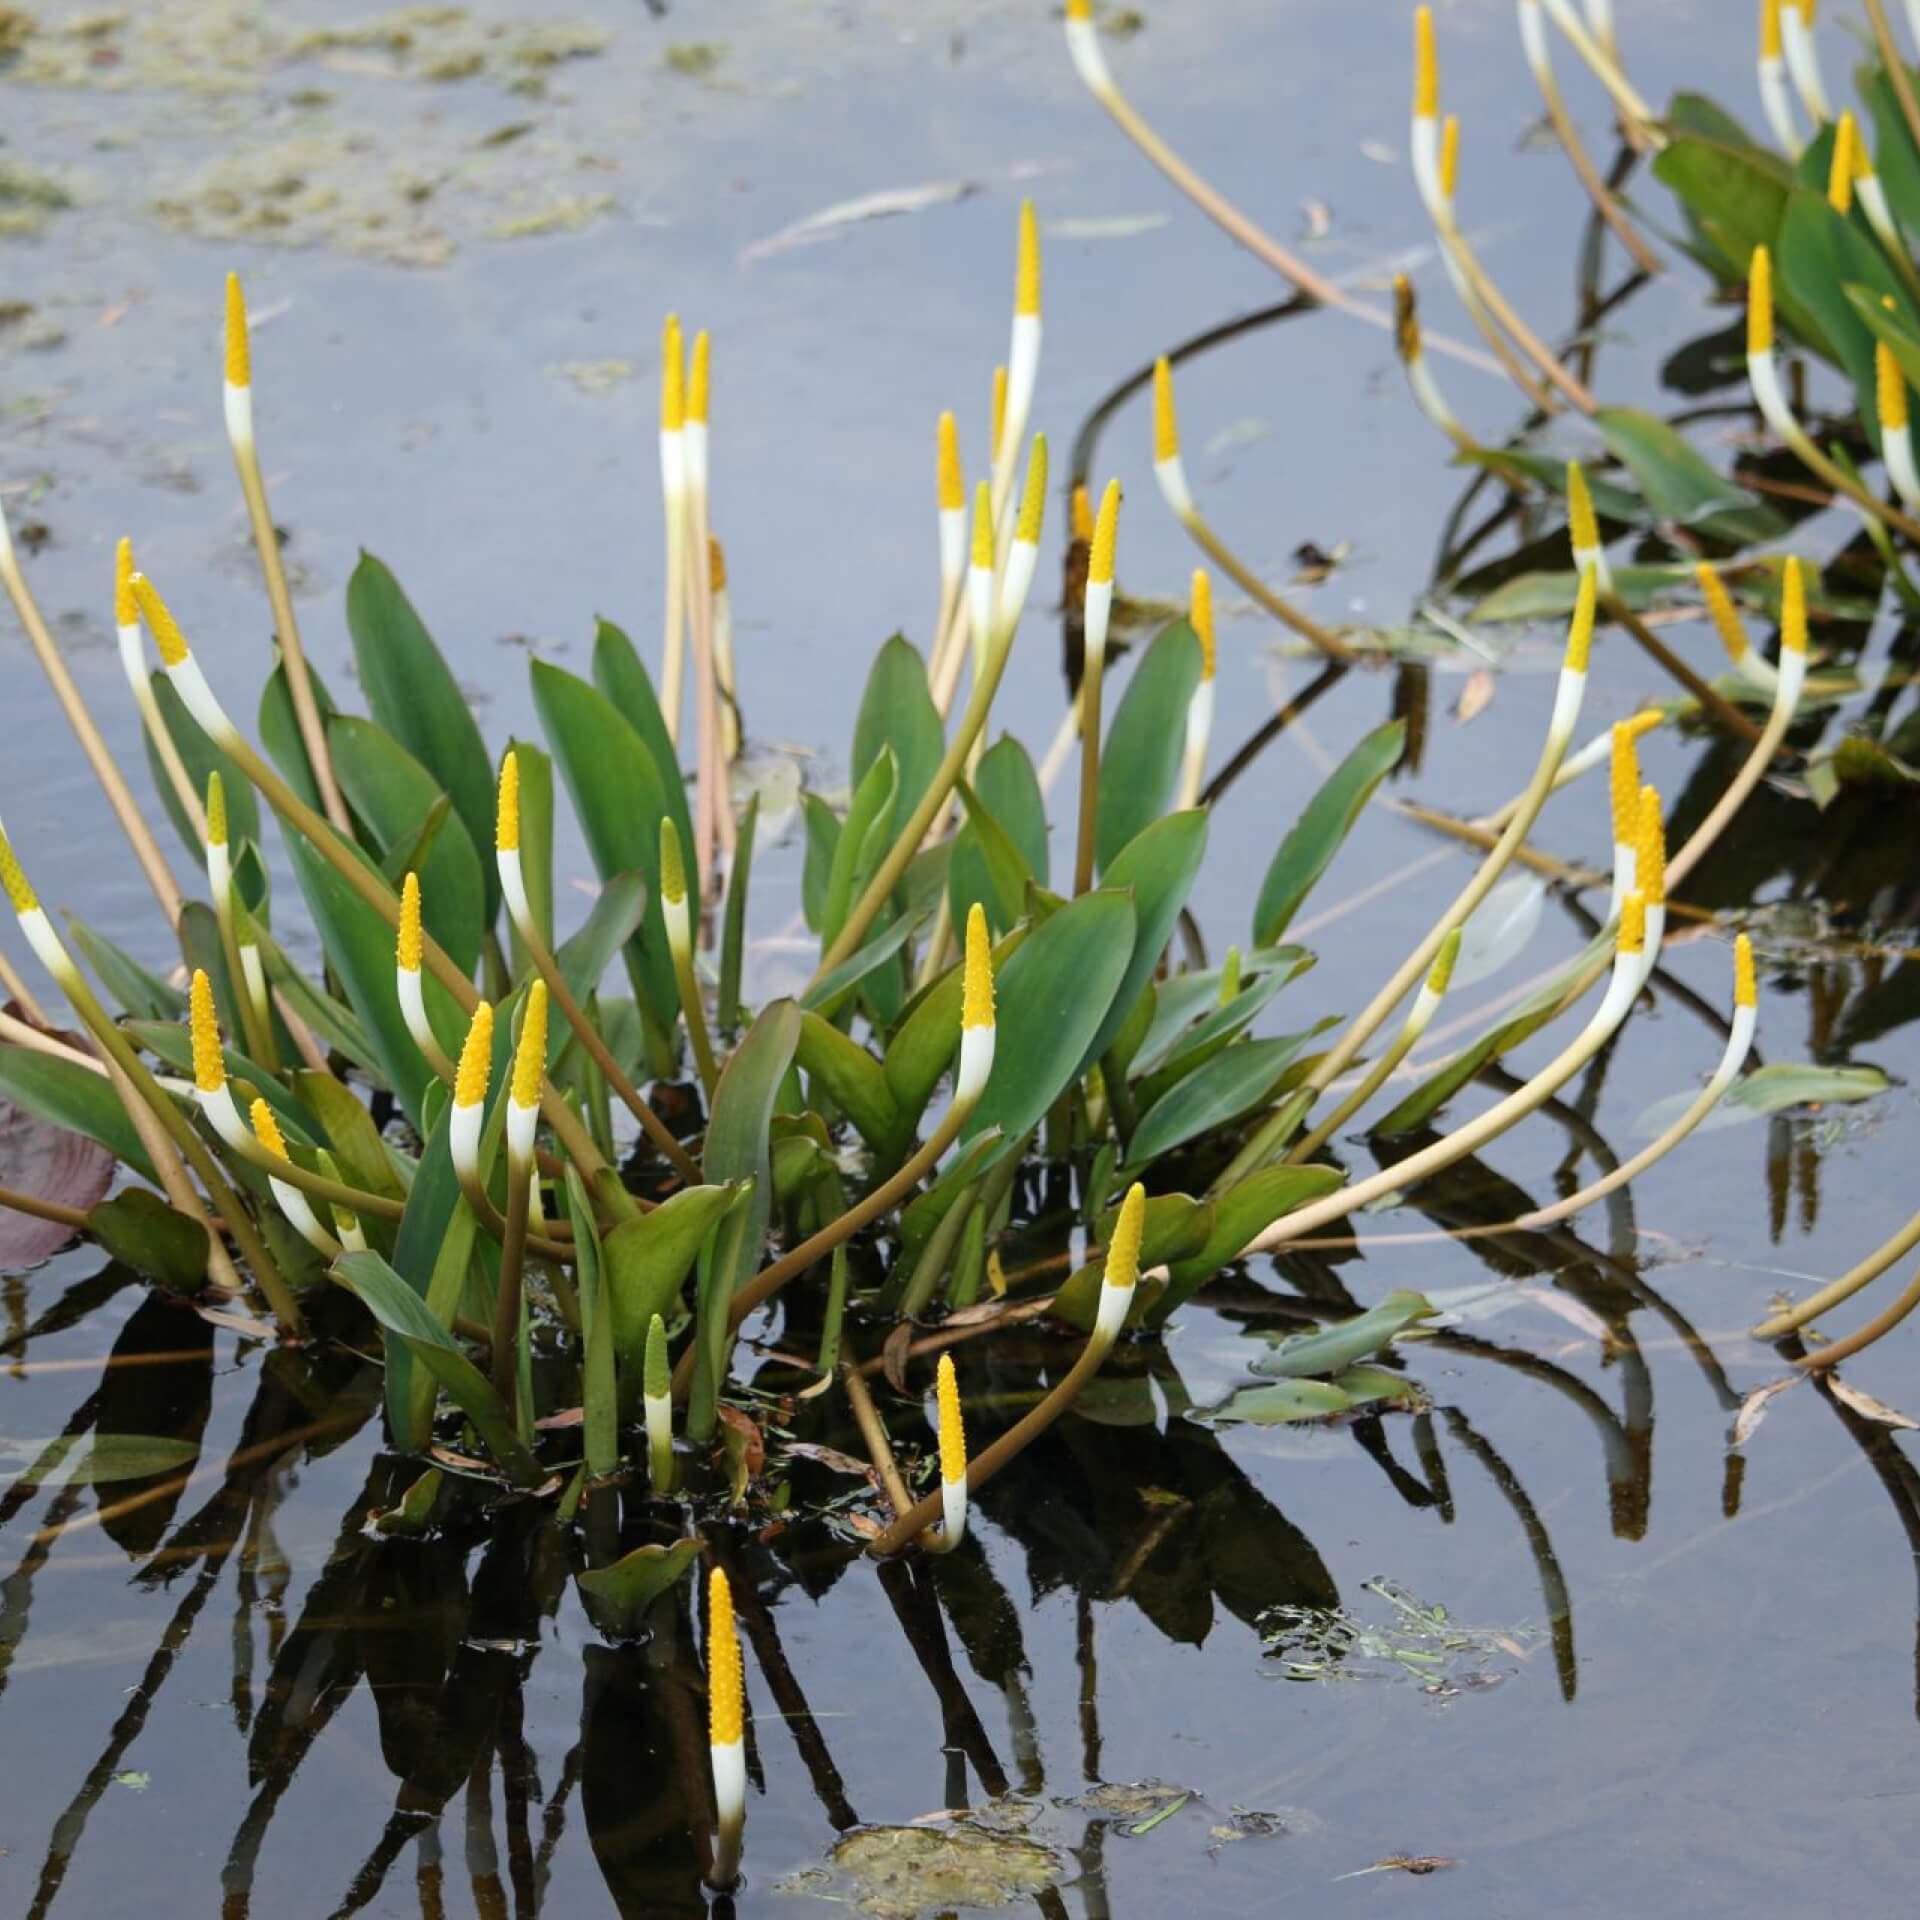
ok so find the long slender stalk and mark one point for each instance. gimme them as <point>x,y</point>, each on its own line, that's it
<point>1717,706</point>
<point>873,1431</point>
<point>1896,68</point>
<point>1203,536</point>
<point>1835,1351</point>
<point>1862,1273</point>
<point>506,1306</point>
<point>29,1203</point>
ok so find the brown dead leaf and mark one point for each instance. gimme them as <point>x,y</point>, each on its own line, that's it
<point>1867,1407</point>
<point>567,1417</point>
<point>831,1458</point>
<point>1403,1863</point>
<point>1475,697</point>
<point>1753,1409</point>
<point>893,1356</point>
<point>751,1438</point>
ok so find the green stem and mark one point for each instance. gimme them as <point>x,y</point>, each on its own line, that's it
<point>506,1305</point>
<point>1090,680</point>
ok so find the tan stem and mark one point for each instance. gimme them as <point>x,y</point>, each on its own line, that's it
<point>1721,710</point>
<point>873,1431</point>
<point>1835,1291</point>
<point>1083,853</point>
<point>1882,1323</point>
<point>1604,203</point>
<point>1497,304</point>
<point>1257,589</point>
<point>21,993</point>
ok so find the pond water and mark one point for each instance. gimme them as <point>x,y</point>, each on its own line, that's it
<point>1671,1675</point>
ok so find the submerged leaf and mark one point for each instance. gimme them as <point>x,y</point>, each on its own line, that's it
<point>618,1596</point>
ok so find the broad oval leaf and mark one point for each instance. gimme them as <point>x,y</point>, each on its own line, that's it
<point>1498,929</point>
<point>647,1261</point>
<point>897,711</point>
<point>1239,1215</point>
<point>1330,1350</point>
<point>620,673</point>
<point>856,1081</point>
<point>1679,485</point>
<point>1140,759</point>
<point>1779,1087</point>
<point>141,1231</point>
<point>66,1094</point>
<point>618,1596</point>
<point>1229,1085</point>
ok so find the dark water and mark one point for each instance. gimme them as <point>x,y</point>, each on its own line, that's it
<point>1690,1686</point>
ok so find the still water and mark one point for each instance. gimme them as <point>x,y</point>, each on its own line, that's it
<point>1671,1677</point>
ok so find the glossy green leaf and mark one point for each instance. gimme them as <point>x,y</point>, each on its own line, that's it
<point>1899,334</point>
<point>140,1230</point>
<point>617,1597</point>
<point>621,675</point>
<point>585,955</point>
<point>1895,158</point>
<point>1736,196</point>
<point>1206,1037</point>
<point>733,933</point>
<point>743,1105</point>
<point>1679,484</point>
<point>280,732</point>
<point>852,1077</point>
<point>897,711</point>
<point>1053,997</point>
<point>1819,255</point>
<point>415,697</point>
<point>1779,1087</point>
<point>356,1141</point>
<point>1280,1404</point>
<point>405,1317</point>
<point>727,1259</point>
<point>79,1460</point>
<point>836,987</point>
<point>337,1026</point>
<point>620,802</point>
<point>986,868</point>
<point>865,836</point>
<point>1140,759</point>
<point>823,842</point>
<point>133,989</point>
<point>1308,849</point>
<point>1238,1216</point>
<point>1331,1349</point>
<point>66,1094</point>
<point>392,793</point>
<point>172,1045</point>
<point>647,1262</point>
<point>1189,997</point>
<point>1231,1084</point>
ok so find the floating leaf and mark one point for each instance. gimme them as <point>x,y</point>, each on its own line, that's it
<point>1278,1404</point>
<point>1679,485</point>
<point>618,1596</point>
<point>92,1463</point>
<point>1335,1348</point>
<point>1867,1407</point>
<point>1496,932</point>
<point>141,1231</point>
<point>1777,1088</point>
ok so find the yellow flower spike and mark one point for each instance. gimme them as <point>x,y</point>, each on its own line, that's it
<point>164,628</point>
<point>1760,302</point>
<point>673,377</point>
<point>1440,975</point>
<point>1449,155</point>
<point>1650,854</point>
<point>1033,497</point>
<point>126,609</point>
<point>1793,607</point>
<point>1080,514</point>
<point>699,378</point>
<point>1426,68</point>
<point>530,1057</point>
<point>998,414</point>
<point>506,834</point>
<point>983,526</point>
<point>1625,785</point>
<point>1770,29</point>
<point>726,1682</point>
<point>953,1432</point>
<point>1106,530</point>
<point>1890,388</point>
<point>1166,427</point>
<point>1123,1250</point>
<point>238,345</point>
<point>716,564</point>
<point>1079,9</point>
<point>209,1070</point>
<point>1720,608</point>
<point>216,809</point>
<point>952,483</point>
<point>673,866</point>
<point>19,891</point>
<point>1746,989</point>
<point>1580,632</point>
<point>1841,173</point>
<point>1200,618</point>
<point>476,1059</point>
<point>409,944</point>
<point>1406,320</point>
<point>1026,277</point>
<point>1633,924</point>
<point>1583,526</point>
<point>266,1130</point>
<point>976,997</point>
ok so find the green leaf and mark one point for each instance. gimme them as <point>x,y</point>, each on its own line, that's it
<point>617,912</point>
<point>1159,865</point>
<point>620,802</point>
<point>1307,851</point>
<point>75,1097</point>
<point>1900,336</point>
<point>923,1045</point>
<point>536,841</point>
<point>617,1597</point>
<point>647,1261</point>
<point>855,1080</point>
<point>1238,1216</point>
<point>599,1392</point>
<point>834,989</point>
<point>136,991</point>
<point>1229,1085</point>
<point>1736,196</point>
<point>823,842</point>
<point>1175,1227</point>
<point>1895,157</point>
<point>73,1458</point>
<point>1679,485</point>
<point>865,836</point>
<point>200,757</point>
<point>986,866</point>
<point>733,937</point>
<point>1333,1349</point>
<point>897,711</point>
<point>1780,1087</point>
<point>621,675</point>
<point>334,1024</point>
<point>727,1259</point>
<point>392,793</point>
<point>1518,467</point>
<point>364,1159</point>
<point>405,1316</point>
<point>414,695</point>
<point>1053,997</point>
<point>141,1231</point>
<point>1140,761</point>
<point>280,733</point>
<point>1208,1036</point>
<point>1550,596</point>
<point>1278,1405</point>
<point>1195,996</point>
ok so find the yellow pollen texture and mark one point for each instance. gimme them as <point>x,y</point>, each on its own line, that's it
<point>1650,855</point>
<point>126,609</point>
<point>1890,388</point>
<point>1026,277</point>
<point>1123,1250</point>
<point>1720,607</point>
<point>1769,29</point>
<point>1441,973</point>
<point>1760,302</point>
<point>673,869</point>
<point>953,1432</point>
<point>726,1715</point>
<point>1793,607</point>
<point>165,629</point>
<point>1449,156</point>
<point>1166,428</point>
<point>983,527</point>
<point>1033,498</point>
<point>997,413</point>
<point>18,890</point>
<point>952,482</point>
<point>530,1058</point>
<point>1580,632</point>
<point>506,832</point>
<point>1633,923</point>
<point>1746,989</point>
<point>409,944</point>
<point>1106,530</point>
<point>239,346</point>
<point>1625,785</point>
<point>673,377</point>
<point>976,996</point>
<point>1406,320</point>
<point>209,1071</point>
<point>1582,527</point>
<point>699,380</point>
<point>1200,618</point>
<point>216,809</point>
<point>476,1059</point>
<point>1426,68</point>
<point>266,1130</point>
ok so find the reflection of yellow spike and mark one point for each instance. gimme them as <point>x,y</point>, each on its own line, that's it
<point>1123,1250</point>
<point>1200,618</point>
<point>476,1059</point>
<point>19,890</point>
<point>1426,69</point>
<point>1760,302</point>
<point>952,484</point>
<point>1625,786</point>
<point>1449,156</point>
<point>976,993</point>
<point>506,832</point>
<point>1406,320</point>
<point>266,1130</point>
<point>209,1070</point>
<point>1769,29</point>
<point>983,527</point>
<point>1026,278</point>
<point>1746,989</point>
<point>1442,970</point>
<point>239,346</point>
<point>697,380</point>
<point>1633,923</point>
<point>997,414</point>
<point>1580,632</point>
<point>530,1057</point>
<point>1033,497</point>
<point>716,564</point>
<point>1582,526</point>
<point>1166,427</point>
<point>673,377</point>
<point>409,946</point>
<point>1080,514</point>
<point>953,1432</point>
<point>1841,172</point>
<point>1726,622</point>
<point>165,629</point>
<point>726,1712</point>
<point>126,609</point>
<point>1890,386</point>
<point>1106,531</point>
<point>1650,854</point>
<point>1793,607</point>
<point>216,809</point>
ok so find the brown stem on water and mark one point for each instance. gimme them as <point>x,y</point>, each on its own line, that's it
<point>1721,710</point>
<point>873,1431</point>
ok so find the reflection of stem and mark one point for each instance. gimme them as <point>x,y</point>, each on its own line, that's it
<point>917,1607</point>
<point>1270,730</point>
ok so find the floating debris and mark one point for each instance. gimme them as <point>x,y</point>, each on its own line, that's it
<point>1416,1642</point>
